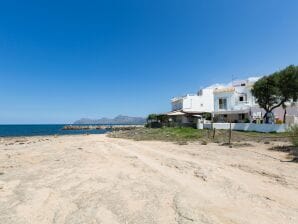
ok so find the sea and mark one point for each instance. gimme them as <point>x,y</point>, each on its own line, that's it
<point>41,130</point>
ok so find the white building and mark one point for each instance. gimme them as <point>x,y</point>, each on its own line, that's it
<point>226,103</point>
<point>201,102</point>
<point>235,103</point>
<point>186,109</point>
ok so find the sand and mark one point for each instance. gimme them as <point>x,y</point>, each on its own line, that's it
<point>97,179</point>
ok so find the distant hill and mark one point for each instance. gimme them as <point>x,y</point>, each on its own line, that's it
<point>117,120</point>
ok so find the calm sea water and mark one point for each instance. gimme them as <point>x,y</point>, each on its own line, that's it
<point>33,130</point>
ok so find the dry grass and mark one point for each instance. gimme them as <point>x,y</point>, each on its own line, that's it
<point>180,135</point>
<point>184,135</point>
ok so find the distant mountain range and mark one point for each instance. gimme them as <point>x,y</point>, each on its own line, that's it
<point>117,120</point>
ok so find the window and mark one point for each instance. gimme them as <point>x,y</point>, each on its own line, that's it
<point>242,84</point>
<point>202,105</point>
<point>241,98</point>
<point>241,116</point>
<point>222,102</point>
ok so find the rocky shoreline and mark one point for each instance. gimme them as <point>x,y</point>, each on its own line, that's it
<point>101,127</point>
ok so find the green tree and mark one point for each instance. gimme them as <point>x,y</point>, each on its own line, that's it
<point>152,117</point>
<point>277,89</point>
<point>287,83</point>
<point>157,120</point>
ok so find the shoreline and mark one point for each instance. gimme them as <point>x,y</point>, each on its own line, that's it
<point>51,130</point>
<point>54,136</point>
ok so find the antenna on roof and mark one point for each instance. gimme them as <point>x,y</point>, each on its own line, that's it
<point>233,79</point>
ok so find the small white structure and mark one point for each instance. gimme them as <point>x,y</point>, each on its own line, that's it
<point>202,102</point>
<point>189,108</point>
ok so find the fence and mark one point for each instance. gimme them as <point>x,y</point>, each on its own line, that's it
<point>248,127</point>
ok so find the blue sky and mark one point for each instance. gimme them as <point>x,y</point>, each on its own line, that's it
<point>63,60</point>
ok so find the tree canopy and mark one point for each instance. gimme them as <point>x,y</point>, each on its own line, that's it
<point>277,89</point>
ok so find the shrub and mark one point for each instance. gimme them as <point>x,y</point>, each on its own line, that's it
<point>246,120</point>
<point>294,135</point>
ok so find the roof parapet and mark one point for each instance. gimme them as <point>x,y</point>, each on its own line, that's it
<point>182,97</point>
<point>224,90</point>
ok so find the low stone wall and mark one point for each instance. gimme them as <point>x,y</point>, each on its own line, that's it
<point>249,127</point>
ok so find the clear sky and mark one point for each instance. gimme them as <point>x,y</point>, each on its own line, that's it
<point>63,60</point>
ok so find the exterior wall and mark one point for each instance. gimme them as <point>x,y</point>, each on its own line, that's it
<point>223,95</point>
<point>195,103</point>
<point>191,103</point>
<point>240,103</point>
<point>291,120</point>
<point>232,95</point>
<point>249,127</point>
<point>207,100</point>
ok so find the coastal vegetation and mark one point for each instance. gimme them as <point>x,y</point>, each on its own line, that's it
<point>162,134</point>
<point>294,135</point>
<point>186,134</point>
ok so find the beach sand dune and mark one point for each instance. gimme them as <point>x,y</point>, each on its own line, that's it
<point>96,179</point>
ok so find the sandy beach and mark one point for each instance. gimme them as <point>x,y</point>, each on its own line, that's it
<point>97,179</point>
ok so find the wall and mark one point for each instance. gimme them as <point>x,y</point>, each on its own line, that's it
<point>195,103</point>
<point>291,119</point>
<point>249,127</point>
<point>207,99</point>
<point>223,95</point>
<point>232,95</point>
<point>202,103</point>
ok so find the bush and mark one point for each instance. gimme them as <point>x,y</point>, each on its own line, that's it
<point>155,125</point>
<point>246,120</point>
<point>294,135</point>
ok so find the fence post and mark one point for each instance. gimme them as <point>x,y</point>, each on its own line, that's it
<point>213,133</point>
<point>230,133</point>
